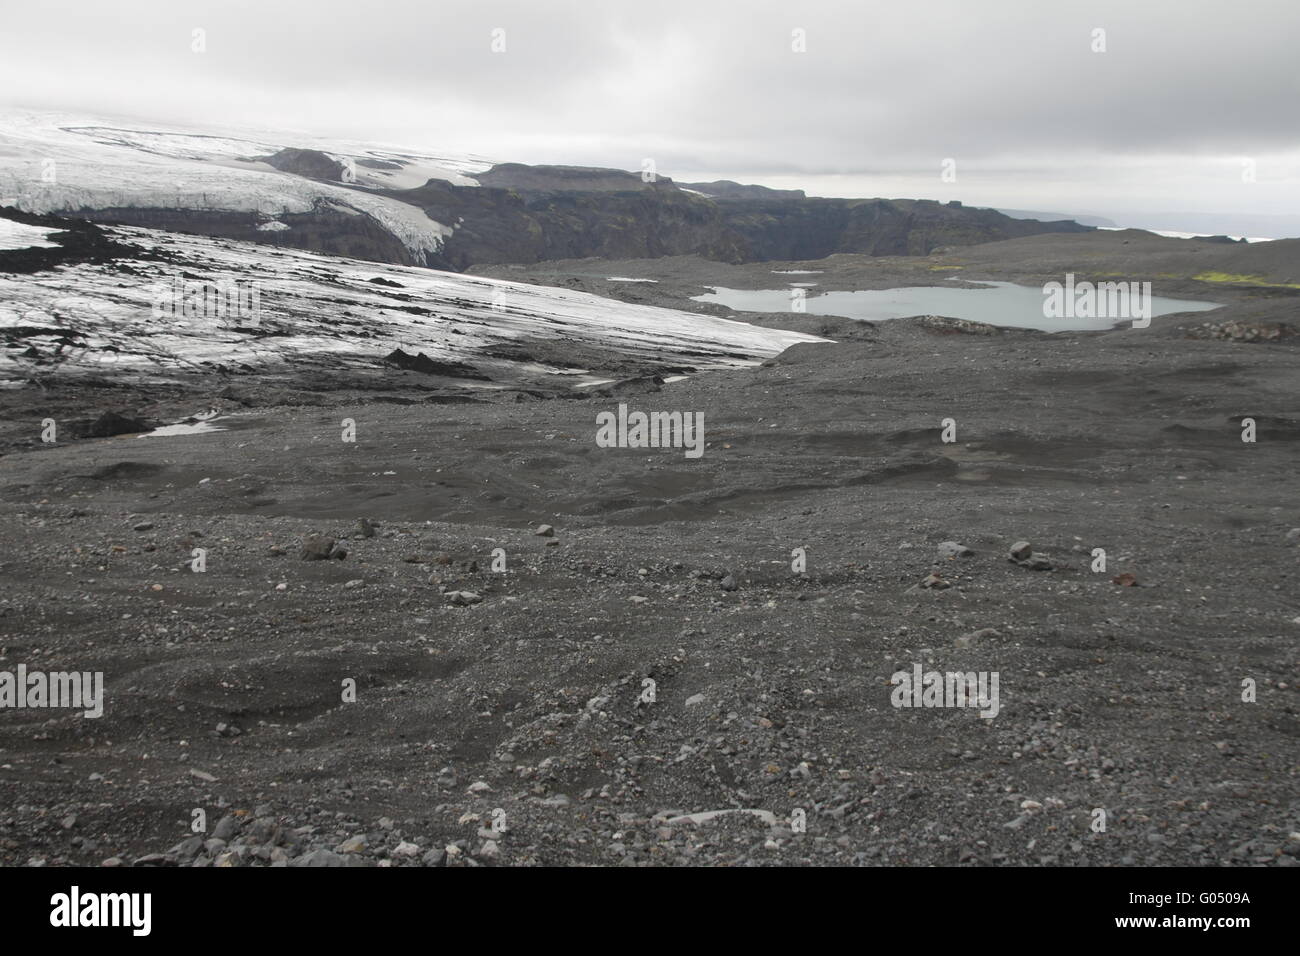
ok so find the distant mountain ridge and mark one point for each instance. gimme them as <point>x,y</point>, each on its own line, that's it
<point>412,207</point>
<point>1099,221</point>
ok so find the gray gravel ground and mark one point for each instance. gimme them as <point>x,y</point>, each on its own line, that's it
<point>504,719</point>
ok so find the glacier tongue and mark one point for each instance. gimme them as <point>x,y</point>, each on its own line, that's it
<point>307,310</point>
<point>53,162</point>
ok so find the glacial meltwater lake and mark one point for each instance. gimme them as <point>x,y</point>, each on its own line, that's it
<point>998,303</point>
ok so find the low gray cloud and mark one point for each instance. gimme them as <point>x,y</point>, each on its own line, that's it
<point>1012,90</point>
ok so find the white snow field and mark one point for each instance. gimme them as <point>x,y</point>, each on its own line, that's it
<point>17,235</point>
<point>325,312</point>
<point>55,162</point>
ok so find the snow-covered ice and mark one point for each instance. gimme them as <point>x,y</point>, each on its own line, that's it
<point>54,162</point>
<point>327,312</point>
<point>17,235</point>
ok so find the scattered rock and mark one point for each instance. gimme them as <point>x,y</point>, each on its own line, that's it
<point>353,844</point>
<point>321,857</point>
<point>544,531</point>
<point>975,637</point>
<point>707,816</point>
<point>317,548</point>
<point>187,850</point>
<point>1020,551</point>
<point>110,424</point>
<point>463,598</point>
<point>225,828</point>
<point>951,549</point>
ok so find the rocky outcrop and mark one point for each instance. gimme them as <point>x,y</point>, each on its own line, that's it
<point>726,189</point>
<point>534,179</point>
<point>311,163</point>
<point>498,225</point>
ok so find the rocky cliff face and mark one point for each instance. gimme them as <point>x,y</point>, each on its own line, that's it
<point>726,189</point>
<point>570,213</point>
<point>815,228</point>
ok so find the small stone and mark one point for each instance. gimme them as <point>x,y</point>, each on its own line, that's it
<point>488,851</point>
<point>544,531</point>
<point>225,828</point>
<point>317,548</point>
<point>694,700</point>
<point>187,850</point>
<point>366,528</point>
<point>728,583</point>
<point>321,857</point>
<point>951,549</point>
<point>974,637</point>
<point>434,857</point>
<point>143,526</point>
<point>934,581</point>
<point>354,584</point>
<point>405,849</point>
<point>1020,551</point>
<point>354,844</point>
<point>463,598</point>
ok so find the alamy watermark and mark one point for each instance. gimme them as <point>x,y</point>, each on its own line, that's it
<point>75,909</point>
<point>651,430</point>
<point>226,299</point>
<point>21,688</point>
<point>977,689</point>
<point>1101,300</point>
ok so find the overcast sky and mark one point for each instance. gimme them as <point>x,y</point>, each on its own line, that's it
<point>886,90</point>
